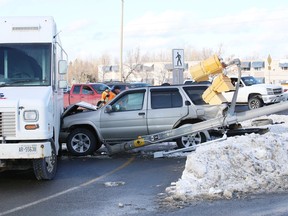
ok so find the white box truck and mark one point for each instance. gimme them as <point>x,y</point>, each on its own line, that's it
<point>33,68</point>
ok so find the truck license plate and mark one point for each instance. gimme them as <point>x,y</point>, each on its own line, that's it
<point>28,149</point>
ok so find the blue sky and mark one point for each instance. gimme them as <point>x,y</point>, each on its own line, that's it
<point>91,28</point>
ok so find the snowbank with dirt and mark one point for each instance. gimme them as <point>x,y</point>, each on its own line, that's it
<point>252,163</point>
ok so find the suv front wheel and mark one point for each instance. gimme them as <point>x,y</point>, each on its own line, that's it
<point>81,142</point>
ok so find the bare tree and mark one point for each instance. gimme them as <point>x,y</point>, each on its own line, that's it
<point>254,56</point>
<point>82,71</point>
<point>163,56</point>
<point>163,76</point>
<point>220,50</point>
<point>146,58</point>
<point>206,53</point>
<point>132,63</point>
<point>192,54</point>
<point>105,60</point>
<point>87,70</point>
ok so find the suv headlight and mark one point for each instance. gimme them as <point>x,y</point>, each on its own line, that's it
<point>31,115</point>
<point>270,91</point>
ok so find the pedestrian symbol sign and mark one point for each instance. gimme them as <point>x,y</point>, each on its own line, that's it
<point>178,58</point>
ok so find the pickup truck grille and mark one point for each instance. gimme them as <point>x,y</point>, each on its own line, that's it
<point>277,91</point>
<point>7,124</point>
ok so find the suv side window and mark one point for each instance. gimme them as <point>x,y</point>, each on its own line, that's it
<point>129,102</point>
<point>195,94</point>
<point>165,98</point>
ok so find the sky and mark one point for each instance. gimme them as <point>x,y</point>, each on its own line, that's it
<point>91,28</point>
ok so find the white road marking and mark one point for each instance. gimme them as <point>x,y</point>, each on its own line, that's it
<point>66,191</point>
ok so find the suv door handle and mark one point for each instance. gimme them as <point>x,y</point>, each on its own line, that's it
<point>141,113</point>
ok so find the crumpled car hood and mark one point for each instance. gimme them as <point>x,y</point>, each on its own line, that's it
<point>80,105</point>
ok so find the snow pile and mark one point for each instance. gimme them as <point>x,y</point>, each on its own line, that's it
<point>252,163</point>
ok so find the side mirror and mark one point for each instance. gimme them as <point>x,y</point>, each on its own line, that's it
<point>187,103</point>
<point>62,67</point>
<point>108,109</point>
<point>62,84</point>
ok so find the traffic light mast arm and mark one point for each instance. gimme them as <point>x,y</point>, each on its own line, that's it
<point>197,127</point>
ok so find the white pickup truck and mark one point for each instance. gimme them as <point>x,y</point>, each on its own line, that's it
<point>255,94</point>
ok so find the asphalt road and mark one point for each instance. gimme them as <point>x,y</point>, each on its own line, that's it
<point>128,184</point>
<point>98,185</point>
<point>125,184</point>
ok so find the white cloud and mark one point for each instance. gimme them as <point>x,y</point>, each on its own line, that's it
<point>254,30</point>
<point>152,24</point>
<point>242,33</point>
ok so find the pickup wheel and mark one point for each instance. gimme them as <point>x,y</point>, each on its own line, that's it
<point>255,102</point>
<point>45,168</point>
<point>81,142</point>
<point>192,139</point>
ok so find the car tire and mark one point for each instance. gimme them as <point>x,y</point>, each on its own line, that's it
<point>255,102</point>
<point>192,139</point>
<point>81,142</point>
<point>45,168</point>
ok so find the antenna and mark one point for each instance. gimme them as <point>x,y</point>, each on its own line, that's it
<point>57,34</point>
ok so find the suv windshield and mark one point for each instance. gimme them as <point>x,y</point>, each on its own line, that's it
<point>25,64</point>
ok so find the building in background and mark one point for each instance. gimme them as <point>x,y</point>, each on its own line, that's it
<point>157,73</point>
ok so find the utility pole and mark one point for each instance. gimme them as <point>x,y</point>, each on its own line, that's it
<point>121,42</point>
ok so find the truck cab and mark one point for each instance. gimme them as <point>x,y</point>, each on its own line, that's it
<point>33,69</point>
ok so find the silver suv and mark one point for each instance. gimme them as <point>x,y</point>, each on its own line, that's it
<point>137,112</point>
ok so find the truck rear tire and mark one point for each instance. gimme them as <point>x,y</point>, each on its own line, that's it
<point>45,168</point>
<point>255,102</point>
<point>192,139</point>
<point>81,142</point>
